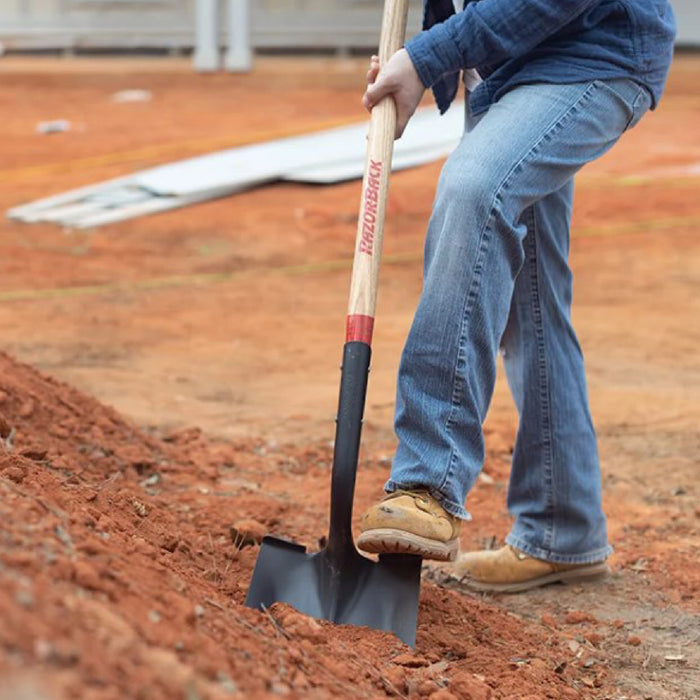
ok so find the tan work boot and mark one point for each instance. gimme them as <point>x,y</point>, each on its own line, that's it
<point>410,522</point>
<point>508,570</point>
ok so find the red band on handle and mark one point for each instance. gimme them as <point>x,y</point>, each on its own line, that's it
<point>359,329</point>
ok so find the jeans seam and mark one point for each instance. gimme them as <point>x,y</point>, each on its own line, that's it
<point>484,238</point>
<point>632,104</point>
<point>643,93</point>
<point>544,397</point>
<point>554,126</point>
<point>459,380</point>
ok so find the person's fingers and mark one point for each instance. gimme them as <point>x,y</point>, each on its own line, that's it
<point>378,90</point>
<point>372,74</point>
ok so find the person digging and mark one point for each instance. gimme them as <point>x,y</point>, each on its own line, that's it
<point>551,85</point>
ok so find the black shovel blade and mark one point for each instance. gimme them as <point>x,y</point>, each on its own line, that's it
<point>338,583</point>
<point>345,587</point>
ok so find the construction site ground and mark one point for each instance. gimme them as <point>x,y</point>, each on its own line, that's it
<point>168,387</point>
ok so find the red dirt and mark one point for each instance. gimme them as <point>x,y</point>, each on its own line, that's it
<point>121,578</point>
<point>119,573</point>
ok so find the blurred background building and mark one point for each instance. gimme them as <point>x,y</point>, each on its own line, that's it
<point>169,25</point>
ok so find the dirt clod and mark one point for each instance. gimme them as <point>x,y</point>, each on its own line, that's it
<point>466,687</point>
<point>5,427</point>
<point>26,409</point>
<point>37,454</point>
<point>595,638</point>
<point>395,679</point>
<point>248,532</point>
<point>86,575</point>
<point>443,694</point>
<point>410,660</point>
<point>15,474</point>
<point>426,688</point>
<point>549,620</point>
<point>576,617</point>
<point>297,625</point>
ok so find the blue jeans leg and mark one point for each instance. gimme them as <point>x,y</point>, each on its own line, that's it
<point>554,491</point>
<point>528,146</point>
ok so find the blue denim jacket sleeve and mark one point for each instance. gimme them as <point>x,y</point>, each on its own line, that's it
<point>488,32</point>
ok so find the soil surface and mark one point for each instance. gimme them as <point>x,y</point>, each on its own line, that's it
<point>169,387</point>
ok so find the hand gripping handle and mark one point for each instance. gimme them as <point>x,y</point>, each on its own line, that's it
<point>375,188</point>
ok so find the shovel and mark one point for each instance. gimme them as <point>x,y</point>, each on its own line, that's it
<point>338,583</point>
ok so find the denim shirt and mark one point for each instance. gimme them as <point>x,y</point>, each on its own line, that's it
<point>514,42</point>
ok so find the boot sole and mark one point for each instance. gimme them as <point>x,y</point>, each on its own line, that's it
<point>390,541</point>
<point>584,574</point>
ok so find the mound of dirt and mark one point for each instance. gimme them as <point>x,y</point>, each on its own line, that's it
<point>124,565</point>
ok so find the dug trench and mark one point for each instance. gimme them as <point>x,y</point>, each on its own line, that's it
<point>125,556</point>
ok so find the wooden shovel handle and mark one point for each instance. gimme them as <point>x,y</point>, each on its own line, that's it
<point>375,188</point>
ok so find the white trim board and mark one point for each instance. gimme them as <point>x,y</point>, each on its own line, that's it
<point>322,157</point>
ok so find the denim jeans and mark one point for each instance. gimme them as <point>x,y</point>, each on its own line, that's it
<point>496,276</point>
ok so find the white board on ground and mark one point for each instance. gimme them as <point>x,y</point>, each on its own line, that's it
<point>322,157</point>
